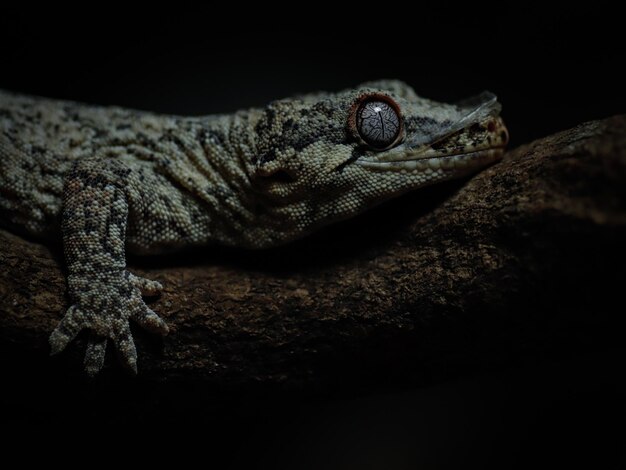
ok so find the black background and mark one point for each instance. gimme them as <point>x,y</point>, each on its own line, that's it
<point>551,67</point>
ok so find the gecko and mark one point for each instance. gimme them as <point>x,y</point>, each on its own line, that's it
<point>108,180</point>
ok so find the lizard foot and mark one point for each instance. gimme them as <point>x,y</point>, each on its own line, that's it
<point>105,304</point>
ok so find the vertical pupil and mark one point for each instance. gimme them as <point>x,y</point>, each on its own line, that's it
<point>378,123</point>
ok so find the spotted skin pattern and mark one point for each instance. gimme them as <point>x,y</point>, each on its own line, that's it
<point>107,180</point>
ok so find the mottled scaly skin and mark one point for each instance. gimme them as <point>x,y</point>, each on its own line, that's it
<point>110,179</point>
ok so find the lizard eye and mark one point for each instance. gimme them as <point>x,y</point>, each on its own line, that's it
<point>378,122</point>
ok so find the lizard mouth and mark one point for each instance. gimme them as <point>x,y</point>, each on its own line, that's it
<point>460,161</point>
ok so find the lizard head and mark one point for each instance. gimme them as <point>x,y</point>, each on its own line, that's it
<point>326,157</point>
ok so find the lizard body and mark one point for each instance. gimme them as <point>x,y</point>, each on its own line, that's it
<point>108,180</point>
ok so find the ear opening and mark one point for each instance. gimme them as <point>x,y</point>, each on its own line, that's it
<point>279,176</point>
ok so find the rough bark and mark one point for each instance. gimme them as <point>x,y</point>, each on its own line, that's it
<point>526,258</point>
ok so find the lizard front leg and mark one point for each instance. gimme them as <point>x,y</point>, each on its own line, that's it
<point>104,295</point>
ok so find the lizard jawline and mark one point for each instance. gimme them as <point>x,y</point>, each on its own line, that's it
<point>461,161</point>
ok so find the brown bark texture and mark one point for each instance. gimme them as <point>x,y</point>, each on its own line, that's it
<point>524,259</point>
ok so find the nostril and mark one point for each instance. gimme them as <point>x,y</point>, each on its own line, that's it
<point>491,126</point>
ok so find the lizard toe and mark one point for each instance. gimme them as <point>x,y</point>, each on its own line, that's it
<point>67,329</point>
<point>94,355</point>
<point>146,286</point>
<point>149,320</point>
<point>126,349</point>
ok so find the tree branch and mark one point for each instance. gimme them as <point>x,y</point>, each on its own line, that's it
<point>525,259</point>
